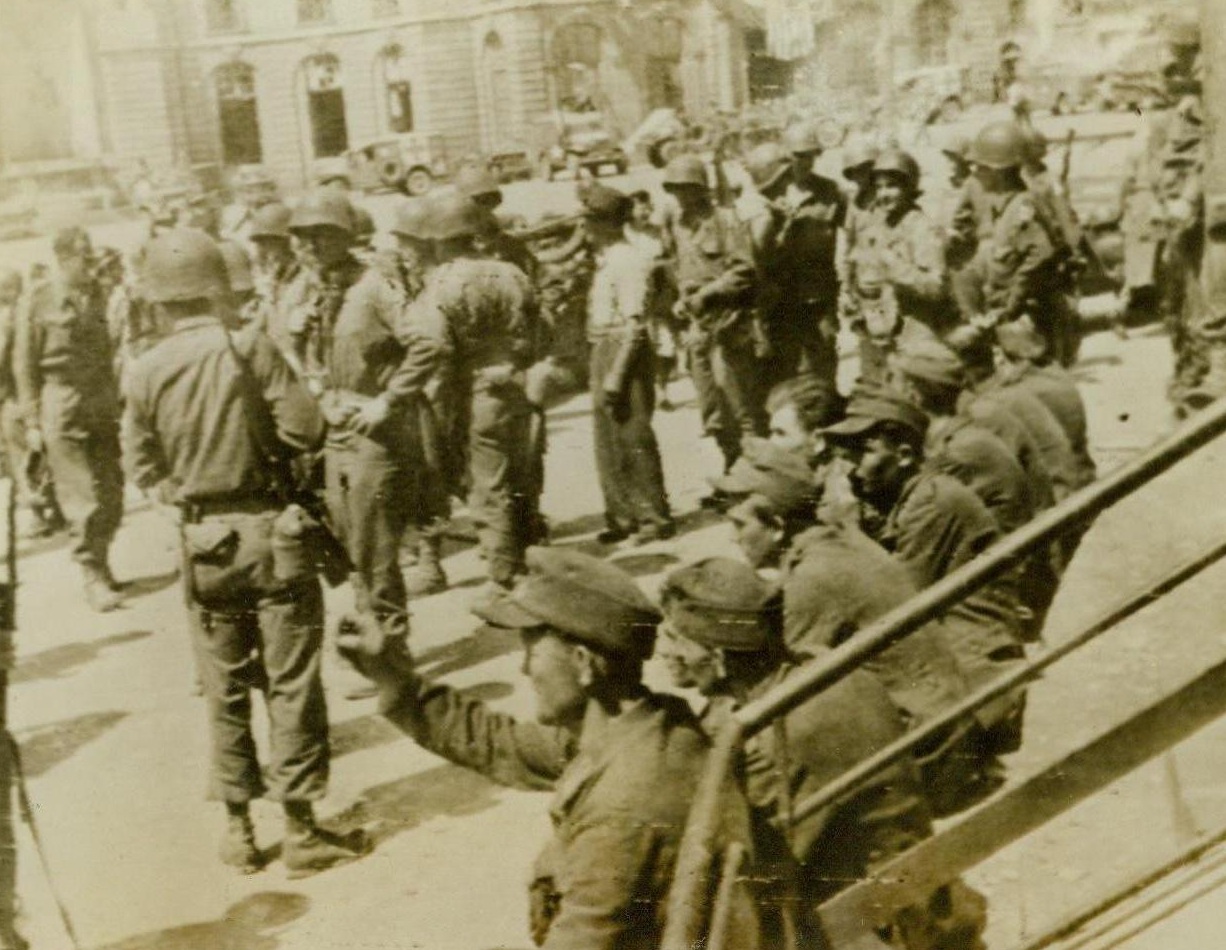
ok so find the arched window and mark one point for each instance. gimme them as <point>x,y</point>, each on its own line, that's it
<point>496,77</point>
<point>398,89</point>
<point>236,108</point>
<point>933,29</point>
<point>664,43</point>
<point>326,105</point>
<point>576,64</point>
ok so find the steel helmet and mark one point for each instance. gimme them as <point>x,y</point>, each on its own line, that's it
<point>1010,50</point>
<point>1036,144</point>
<point>896,161</point>
<point>182,264</point>
<point>685,170</point>
<point>767,164</point>
<point>859,152</point>
<point>454,216</point>
<point>999,145</point>
<point>1181,31</point>
<point>803,138</point>
<point>412,219</point>
<point>323,208</point>
<point>474,181</point>
<point>238,266</point>
<point>270,221</point>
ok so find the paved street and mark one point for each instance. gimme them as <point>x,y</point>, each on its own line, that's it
<point>115,741</point>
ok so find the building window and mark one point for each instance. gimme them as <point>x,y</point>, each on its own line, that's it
<point>314,11</point>
<point>236,108</point>
<point>933,29</point>
<point>397,89</point>
<point>496,78</point>
<point>385,8</point>
<point>222,16</point>
<point>326,106</point>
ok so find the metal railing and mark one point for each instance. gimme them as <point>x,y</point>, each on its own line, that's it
<point>691,921</point>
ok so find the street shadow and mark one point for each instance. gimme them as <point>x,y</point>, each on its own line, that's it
<point>398,806</point>
<point>144,586</point>
<point>371,732</point>
<point>65,660</point>
<point>249,924</point>
<point>44,747</point>
<point>641,565</point>
<point>487,643</point>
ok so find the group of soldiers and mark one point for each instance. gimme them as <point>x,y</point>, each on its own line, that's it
<point>307,406</point>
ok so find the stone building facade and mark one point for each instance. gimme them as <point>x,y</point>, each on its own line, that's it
<point>286,82</point>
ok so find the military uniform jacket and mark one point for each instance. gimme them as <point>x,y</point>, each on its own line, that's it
<point>1055,388</point>
<point>802,752</point>
<point>795,249</point>
<point>313,305</point>
<point>979,460</point>
<point>937,526</point>
<point>835,582</point>
<point>621,797</point>
<point>713,262</point>
<point>472,314</point>
<point>1017,262</point>
<point>62,335</point>
<point>186,434</point>
<point>901,252</point>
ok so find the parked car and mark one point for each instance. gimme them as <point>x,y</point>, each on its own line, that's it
<point>579,140</point>
<point>512,162</point>
<point>410,162</point>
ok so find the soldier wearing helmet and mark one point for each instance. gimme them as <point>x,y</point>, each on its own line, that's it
<point>713,266</point>
<point>69,396</point>
<point>795,237</point>
<point>1016,273</point>
<point>192,440</point>
<point>477,183</point>
<point>895,276</point>
<point>276,270</point>
<point>476,323</point>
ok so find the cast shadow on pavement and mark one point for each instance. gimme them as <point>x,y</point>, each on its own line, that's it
<point>44,747</point>
<point>373,731</point>
<point>144,586</point>
<point>65,660</point>
<point>400,805</point>
<point>486,643</point>
<point>249,924</point>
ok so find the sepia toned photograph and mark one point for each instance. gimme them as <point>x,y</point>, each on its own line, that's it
<point>612,474</point>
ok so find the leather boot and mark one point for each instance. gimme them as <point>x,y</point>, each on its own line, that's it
<point>309,849</point>
<point>238,848</point>
<point>426,577</point>
<point>98,593</point>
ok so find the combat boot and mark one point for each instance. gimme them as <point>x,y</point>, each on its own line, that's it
<point>427,577</point>
<point>309,849</point>
<point>98,593</point>
<point>238,848</point>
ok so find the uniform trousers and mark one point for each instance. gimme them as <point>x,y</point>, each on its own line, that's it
<point>253,632</point>
<point>802,336</point>
<point>627,454</point>
<point>82,444</point>
<point>716,414</point>
<point>503,476</point>
<point>368,486</point>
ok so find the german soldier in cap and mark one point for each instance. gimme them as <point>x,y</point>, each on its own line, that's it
<point>477,321</point>
<point>835,581</point>
<point>193,439</point>
<point>624,762</point>
<point>933,524</point>
<point>68,393</point>
<point>623,376</point>
<point>714,271</point>
<point>722,634</point>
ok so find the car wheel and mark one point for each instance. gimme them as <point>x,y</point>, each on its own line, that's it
<point>418,181</point>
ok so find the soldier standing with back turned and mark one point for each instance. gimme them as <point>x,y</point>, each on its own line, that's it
<point>66,387</point>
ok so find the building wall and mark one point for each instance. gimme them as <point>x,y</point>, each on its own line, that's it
<point>159,61</point>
